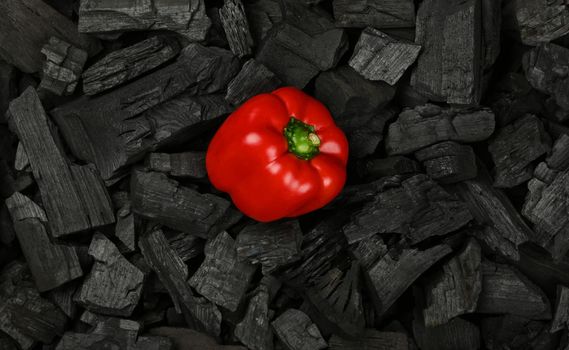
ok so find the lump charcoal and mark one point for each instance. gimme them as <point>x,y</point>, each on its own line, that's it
<point>561,317</point>
<point>374,13</point>
<point>253,79</point>
<point>297,332</point>
<point>22,162</point>
<point>62,68</point>
<point>156,197</point>
<point>255,329</point>
<point>112,131</point>
<point>262,15</point>
<point>221,278</point>
<point>107,16</point>
<point>448,162</point>
<point>541,21</point>
<point>124,228</point>
<point>270,244</point>
<point>376,168</point>
<point>377,56</point>
<point>184,165</point>
<point>51,264</point>
<point>189,339</point>
<point>185,245</point>
<point>232,15</point>
<point>8,87</point>
<point>516,332</point>
<point>74,197</point>
<point>27,26</point>
<point>369,250</point>
<point>128,63</point>
<point>372,340</point>
<point>456,334</point>
<point>425,125</point>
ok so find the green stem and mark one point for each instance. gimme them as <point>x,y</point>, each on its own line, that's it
<point>302,140</point>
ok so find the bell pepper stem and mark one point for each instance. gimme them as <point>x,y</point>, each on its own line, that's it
<point>302,139</point>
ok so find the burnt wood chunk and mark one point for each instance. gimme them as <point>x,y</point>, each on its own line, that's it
<point>184,165</point>
<point>8,87</point>
<point>374,13</point>
<point>417,208</point>
<point>376,168</point>
<point>232,15</point>
<point>114,285</point>
<point>221,278</point>
<point>448,162</point>
<point>74,197</point>
<point>270,244</point>
<point>515,147</point>
<point>63,297</point>
<point>456,334</point>
<point>297,332</point>
<point>262,15</point>
<point>126,64</point>
<point>505,290</point>
<point>124,228</point>
<point>544,66</point>
<point>561,316</point>
<point>372,340</point>
<point>190,339</point>
<point>454,288</point>
<point>51,264</point>
<point>26,27</point>
<point>112,131</point>
<point>377,56</point>
<point>390,276</point>
<point>425,125</point>
<point>25,315</point>
<point>62,68</point>
<point>107,16</point>
<point>451,62</point>
<point>156,197</point>
<point>185,245</point>
<point>255,329</point>
<point>368,250</point>
<point>21,162</point>
<point>173,273</point>
<point>541,21</point>
<point>253,79</point>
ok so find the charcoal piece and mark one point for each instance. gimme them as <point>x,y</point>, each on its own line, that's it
<point>51,264</point>
<point>297,332</point>
<point>27,26</point>
<point>375,168</point>
<point>372,340</point>
<point>25,315</point>
<point>62,68</point>
<point>107,16</point>
<point>515,332</point>
<point>255,330</point>
<point>374,13</point>
<point>377,56</point>
<point>173,274</point>
<point>104,130</point>
<point>417,208</point>
<point>221,278</point>
<point>390,276</point>
<point>425,125</point>
<point>126,64</point>
<point>114,285</point>
<point>156,197</point>
<point>63,298</point>
<point>448,162</point>
<point>368,250</point>
<point>541,21</point>
<point>451,62</point>
<point>505,290</point>
<point>270,244</point>
<point>232,15</point>
<point>337,300</point>
<point>184,165</point>
<point>8,87</point>
<point>74,197</point>
<point>253,79</point>
<point>456,334</point>
<point>125,230</point>
<point>186,246</point>
<point>22,161</point>
<point>491,12</point>
<point>262,15</point>
<point>189,339</point>
<point>544,66</point>
<point>454,288</point>
<point>561,315</point>
<point>515,147</point>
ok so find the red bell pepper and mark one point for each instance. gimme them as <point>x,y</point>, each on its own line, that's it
<point>279,155</point>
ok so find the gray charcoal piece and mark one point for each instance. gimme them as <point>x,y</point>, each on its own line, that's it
<point>253,79</point>
<point>128,63</point>
<point>376,168</point>
<point>561,316</point>
<point>374,13</point>
<point>221,278</point>
<point>262,15</point>
<point>541,21</point>
<point>51,264</point>
<point>62,68</point>
<point>114,285</point>
<point>182,165</point>
<point>456,334</point>
<point>186,246</point>
<point>297,332</point>
<point>234,21</point>
<point>377,56</point>
<point>255,329</point>
<point>74,197</point>
<point>448,162</point>
<point>371,340</point>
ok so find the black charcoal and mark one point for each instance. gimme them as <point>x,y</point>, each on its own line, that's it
<point>183,165</point>
<point>253,79</point>
<point>232,15</point>
<point>297,332</point>
<point>541,21</point>
<point>372,340</point>
<point>374,13</point>
<point>456,334</point>
<point>255,329</point>
<point>448,162</point>
<point>62,68</point>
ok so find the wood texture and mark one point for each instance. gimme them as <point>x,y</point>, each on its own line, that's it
<point>189,339</point>
<point>62,68</point>
<point>456,334</point>
<point>377,56</point>
<point>297,332</point>
<point>183,165</point>
<point>126,64</point>
<point>51,264</point>
<point>541,21</point>
<point>185,245</point>
<point>255,329</point>
<point>232,15</point>
<point>262,15</point>
<point>448,162</point>
<point>185,17</point>
<point>253,79</point>
<point>372,340</point>
<point>374,13</point>
<point>74,197</point>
